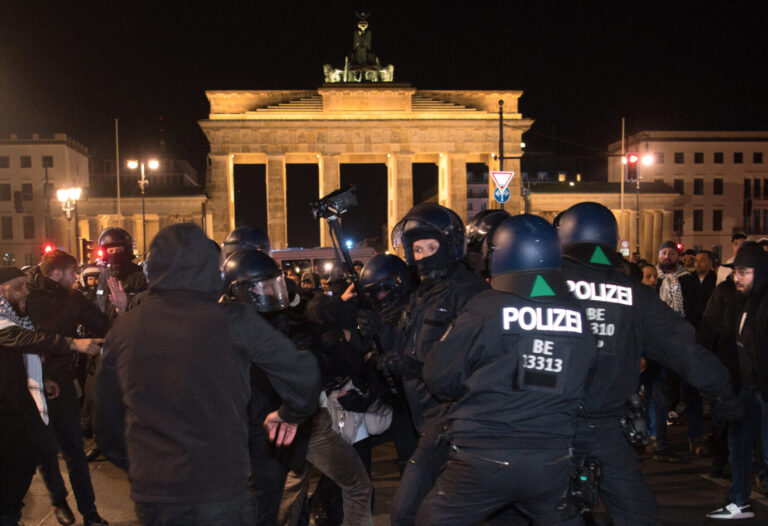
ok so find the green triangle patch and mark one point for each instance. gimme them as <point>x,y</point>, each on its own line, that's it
<point>541,288</point>
<point>599,257</point>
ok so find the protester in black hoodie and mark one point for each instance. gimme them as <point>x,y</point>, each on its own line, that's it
<point>175,372</point>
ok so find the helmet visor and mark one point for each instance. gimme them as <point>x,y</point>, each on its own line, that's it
<point>266,295</point>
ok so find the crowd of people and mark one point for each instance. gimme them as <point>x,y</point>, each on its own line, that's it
<point>518,367</point>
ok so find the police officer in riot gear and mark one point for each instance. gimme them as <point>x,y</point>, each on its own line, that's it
<point>629,322</point>
<point>515,361</point>
<point>479,233</point>
<point>245,237</point>
<point>432,237</point>
<point>253,277</point>
<point>115,247</point>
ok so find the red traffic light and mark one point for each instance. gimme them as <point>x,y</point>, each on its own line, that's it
<point>48,247</point>
<point>633,158</point>
<point>680,247</point>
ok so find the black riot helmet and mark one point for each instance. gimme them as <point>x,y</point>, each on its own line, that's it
<point>524,242</point>
<point>481,228</point>
<point>113,237</point>
<point>430,220</point>
<point>386,273</point>
<point>250,276</point>
<point>245,237</point>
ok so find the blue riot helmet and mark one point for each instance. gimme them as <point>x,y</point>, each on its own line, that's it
<point>430,221</point>
<point>250,276</point>
<point>588,222</point>
<point>386,280</point>
<point>524,242</point>
<point>245,237</point>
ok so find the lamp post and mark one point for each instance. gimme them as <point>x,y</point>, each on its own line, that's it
<point>152,164</point>
<point>68,198</point>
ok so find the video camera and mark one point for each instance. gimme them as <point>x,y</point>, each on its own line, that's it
<point>584,484</point>
<point>634,422</point>
<point>335,203</point>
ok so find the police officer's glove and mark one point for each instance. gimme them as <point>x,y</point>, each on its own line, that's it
<point>353,400</point>
<point>368,323</point>
<point>729,409</point>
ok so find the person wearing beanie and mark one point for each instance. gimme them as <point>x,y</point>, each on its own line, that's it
<point>724,271</point>
<point>23,406</point>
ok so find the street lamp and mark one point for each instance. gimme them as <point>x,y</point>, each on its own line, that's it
<point>152,164</point>
<point>68,198</point>
<point>631,160</point>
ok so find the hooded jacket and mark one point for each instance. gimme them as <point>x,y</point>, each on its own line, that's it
<point>177,366</point>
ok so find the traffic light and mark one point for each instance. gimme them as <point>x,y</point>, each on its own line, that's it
<point>680,247</point>
<point>48,247</point>
<point>632,159</point>
<point>87,251</point>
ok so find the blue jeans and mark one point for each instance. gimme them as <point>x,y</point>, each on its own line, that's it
<point>653,385</point>
<point>741,436</point>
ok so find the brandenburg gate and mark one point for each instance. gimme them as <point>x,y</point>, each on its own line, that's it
<point>358,116</point>
<point>334,125</point>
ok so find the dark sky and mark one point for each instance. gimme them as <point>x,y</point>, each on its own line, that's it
<point>74,66</point>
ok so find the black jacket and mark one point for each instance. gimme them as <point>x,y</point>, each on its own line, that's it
<point>177,367</point>
<point>133,280</point>
<point>432,308</point>
<point>16,341</point>
<point>55,310</point>
<point>629,322</point>
<point>696,294</point>
<point>517,368</point>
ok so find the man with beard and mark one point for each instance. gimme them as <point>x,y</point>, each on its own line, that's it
<point>23,408</point>
<point>746,324</point>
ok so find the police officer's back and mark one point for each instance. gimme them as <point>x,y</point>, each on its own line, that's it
<point>629,322</point>
<point>515,360</point>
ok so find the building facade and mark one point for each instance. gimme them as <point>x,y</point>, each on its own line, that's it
<point>31,170</point>
<point>721,179</point>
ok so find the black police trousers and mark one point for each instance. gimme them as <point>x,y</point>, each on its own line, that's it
<point>623,489</point>
<point>476,483</point>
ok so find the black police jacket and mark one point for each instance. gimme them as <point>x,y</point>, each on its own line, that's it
<point>517,368</point>
<point>629,321</point>
<point>432,308</point>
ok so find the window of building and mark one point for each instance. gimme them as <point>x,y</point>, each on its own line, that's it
<point>5,192</point>
<point>717,186</point>
<point>677,221</point>
<point>29,259</point>
<point>26,161</point>
<point>757,157</point>
<point>747,189</point>
<point>659,158</point>
<point>765,188</point>
<point>765,220</point>
<point>717,220</point>
<point>698,157</point>
<point>29,227</point>
<point>738,157</point>
<point>7,227</point>
<point>698,186</point>
<point>26,192</point>
<point>756,188</point>
<point>679,185</point>
<point>756,220</point>
<point>698,220</point>
<point>718,157</point>
<point>5,161</point>
<point>679,157</point>
<point>48,161</point>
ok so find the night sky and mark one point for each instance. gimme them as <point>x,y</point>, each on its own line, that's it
<point>75,66</point>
